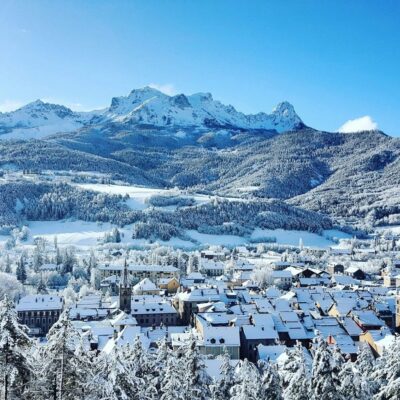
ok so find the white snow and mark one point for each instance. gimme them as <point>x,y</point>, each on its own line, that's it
<point>146,105</point>
<point>224,240</point>
<point>84,234</point>
<point>293,237</point>
<point>77,233</point>
<point>139,194</point>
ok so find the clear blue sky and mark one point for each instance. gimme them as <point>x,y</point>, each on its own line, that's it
<point>333,60</point>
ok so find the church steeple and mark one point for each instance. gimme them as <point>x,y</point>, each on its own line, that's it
<point>125,291</point>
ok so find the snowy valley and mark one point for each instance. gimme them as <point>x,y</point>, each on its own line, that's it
<point>172,247</point>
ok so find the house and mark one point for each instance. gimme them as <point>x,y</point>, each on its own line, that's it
<point>95,334</point>
<point>270,353</point>
<point>345,344</point>
<point>335,268</point>
<point>355,272</point>
<point>219,338</point>
<point>212,255</point>
<point>383,311</point>
<point>148,313</point>
<point>211,340</point>
<point>282,278</point>
<point>390,279</point>
<point>367,320</point>
<point>253,335</point>
<point>194,278</point>
<point>145,286</point>
<point>170,285</point>
<point>186,302</point>
<point>39,312</point>
<point>378,340</point>
<point>138,272</point>
<point>345,281</point>
<point>92,307</point>
<point>351,328</point>
<point>212,268</point>
<point>397,318</point>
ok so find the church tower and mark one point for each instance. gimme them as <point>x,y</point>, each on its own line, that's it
<point>398,312</point>
<point>125,291</point>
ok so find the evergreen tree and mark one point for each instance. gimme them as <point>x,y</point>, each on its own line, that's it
<point>324,380</point>
<point>248,382</point>
<point>197,379</point>
<point>112,378</point>
<point>352,385</point>
<point>61,363</point>
<point>21,270</point>
<point>7,267</point>
<point>68,260</point>
<point>387,372</point>
<point>173,380</point>
<point>15,354</point>
<point>365,366</point>
<point>37,257</point>
<point>294,375</point>
<point>270,382</point>
<point>142,368</point>
<point>220,389</point>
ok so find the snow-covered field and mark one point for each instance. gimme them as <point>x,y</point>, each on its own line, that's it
<point>223,240</point>
<point>76,233</point>
<point>138,195</point>
<point>85,234</point>
<point>292,238</point>
<point>389,228</point>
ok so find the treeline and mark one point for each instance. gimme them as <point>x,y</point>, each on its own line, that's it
<point>66,368</point>
<point>56,201</point>
<point>222,216</point>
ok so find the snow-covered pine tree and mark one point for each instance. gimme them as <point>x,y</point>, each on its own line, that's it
<point>351,383</point>
<point>63,373</point>
<point>295,376</point>
<point>270,382</point>
<point>365,360</point>
<point>365,366</point>
<point>160,362</point>
<point>142,368</point>
<point>21,270</point>
<point>196,378</point>
<point>324,384</point>
<point>173,380</point>
<point>15,354</point>
<point>7,267</point>
<point>220,390</point>
<point>248,382</point>
<point>37,257</point>
<point>112,378</point>
<point>387,371</point>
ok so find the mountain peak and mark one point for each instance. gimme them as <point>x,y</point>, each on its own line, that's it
<point>145,90</point>
<point>283,107</point>
<point>150,106</point>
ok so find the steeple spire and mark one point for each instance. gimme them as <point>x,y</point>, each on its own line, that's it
<point>125,280</point>
<point>125,291</point>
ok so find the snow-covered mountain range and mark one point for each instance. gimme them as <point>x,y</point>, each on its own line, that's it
<point>146,106</point>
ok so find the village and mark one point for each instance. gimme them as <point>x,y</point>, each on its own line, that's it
<point>251,302</point>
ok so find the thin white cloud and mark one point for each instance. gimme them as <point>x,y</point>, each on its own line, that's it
<point>167,88</point>
<point>365,123</point>
<point>10,105</point>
